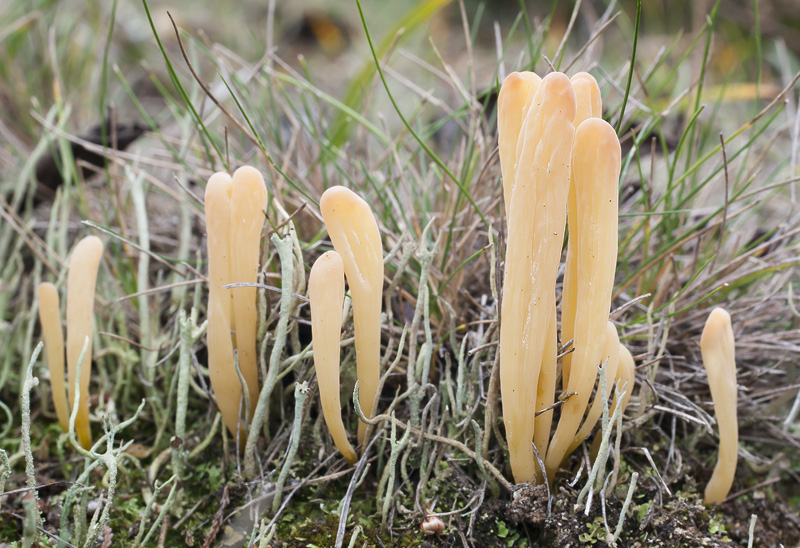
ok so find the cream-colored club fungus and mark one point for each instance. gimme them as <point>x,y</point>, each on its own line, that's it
<point>595,168</point>
<point>590,105</point>
<point>719,359</point>
<point>249,202</point>
<point>537,216</point>
<point>224,381</point>
<point>512,105</point>
<point>81,280</point>
<point>354,233</point>
<point>50,320</point>
<point>326,296</point>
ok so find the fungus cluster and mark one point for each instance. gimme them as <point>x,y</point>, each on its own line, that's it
<point>560,165</point>
<point>81,279</point>
<point>235,209</point>
<point>559,161</point>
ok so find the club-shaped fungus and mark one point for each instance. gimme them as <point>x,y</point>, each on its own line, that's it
<point>81,279</point>
<point>537,216</point>
<point>589,105</point>
<point>719,359</point>
<point>326,296</point>
<point>224,381</point>
<point>50,320</point>
<point>248,206</point>
<point>596,168</point>
<point>354,233</point>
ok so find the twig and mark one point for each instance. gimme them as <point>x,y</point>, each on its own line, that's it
<point>759,485</point>
<point>159,289</point>
<point>562,399</point>
<point>591,40</point>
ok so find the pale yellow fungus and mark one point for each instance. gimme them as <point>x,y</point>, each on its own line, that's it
<point>512,103</point>
<point>326,296</point>
<point>224,381</point>
<point>537,216</point>
<point>354,233</point>
<point>50,320</point>
<point>249,202</point>
<point>719,359</point>
<point>596,168</point>
<point>589,101</point>
<point>81,279</point>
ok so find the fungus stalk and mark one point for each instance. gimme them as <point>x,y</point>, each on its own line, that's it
<point>326,296</point>
<point>589,105</point>
<point>50,320</point>
<point>546,390</point>
<point>224,381</point>
<point>611,354</point>
<point>719,359</point>
<point>81,280</point>
<point>354,233</point>
<point>596,167</point>
<point>537,216</point>
<point>249,202</point>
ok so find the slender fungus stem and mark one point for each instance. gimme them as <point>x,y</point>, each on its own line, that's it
<point>611,359</point>
<point>590,105</point>
<point>354,232</point>
<point>719,359</point>
<point>226,385</point>
<point>545,391</point>
<point>326,296</point>
<point>50,320</point>
<point>596,167</point>
<point>249,202</point>
<point>81,280</point>
<point>537,216</point>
